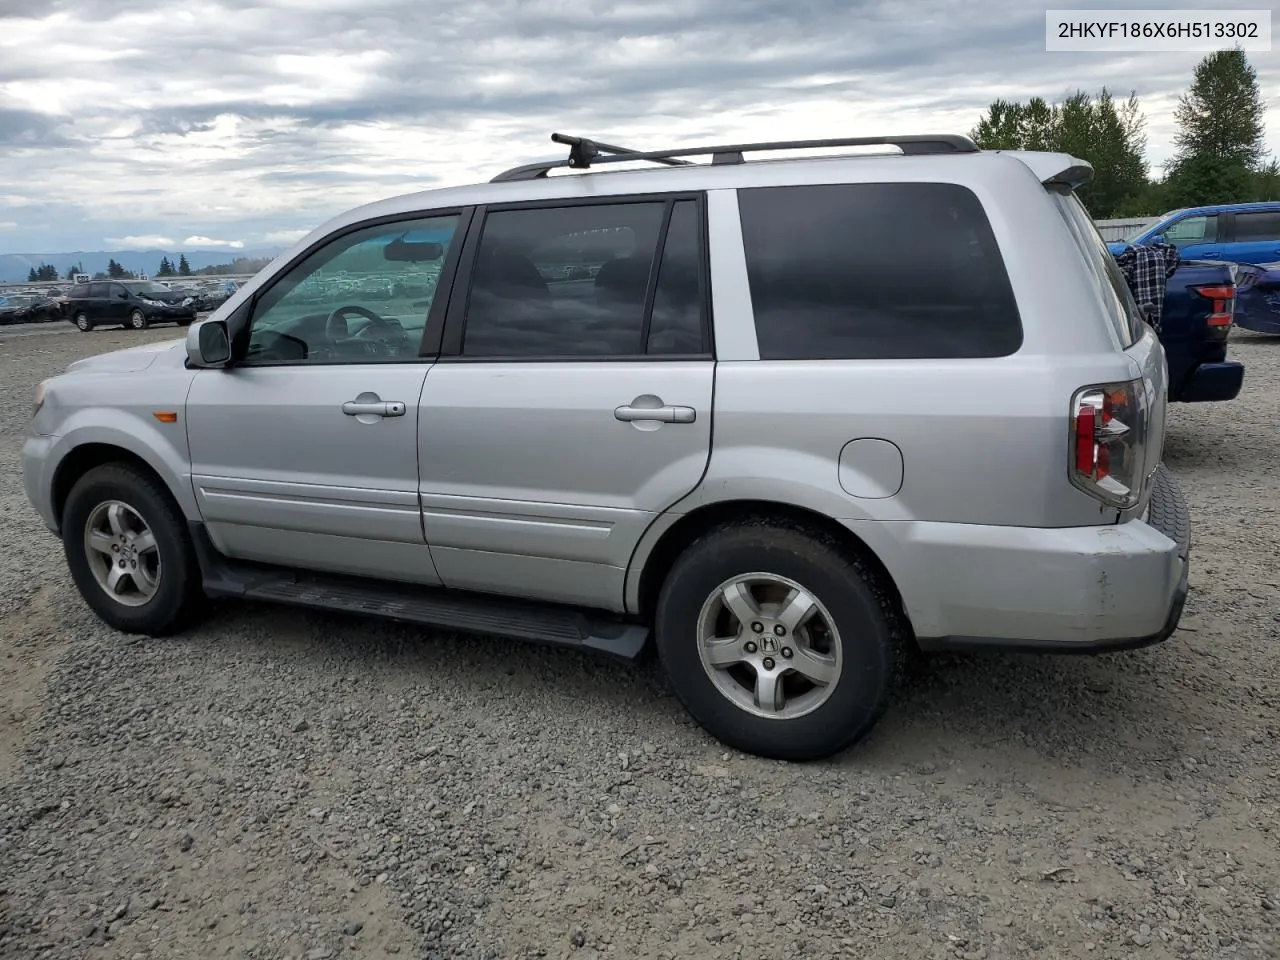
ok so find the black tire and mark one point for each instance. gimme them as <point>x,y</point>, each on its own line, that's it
<point>871,635</point>
<point>138,320</point>
<point>1167,510</point>
<point>178,593</point>
<point>82,321</point>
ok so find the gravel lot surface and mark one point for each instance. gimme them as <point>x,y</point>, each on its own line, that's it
<point>282,784</point>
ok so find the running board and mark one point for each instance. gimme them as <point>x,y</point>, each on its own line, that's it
<point>562,626</point>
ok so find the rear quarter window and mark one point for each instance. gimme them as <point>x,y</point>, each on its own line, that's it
<point>1122,311</point>
<point>876,271</point>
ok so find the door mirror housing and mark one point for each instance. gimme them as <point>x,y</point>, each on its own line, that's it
<point>208,344</point>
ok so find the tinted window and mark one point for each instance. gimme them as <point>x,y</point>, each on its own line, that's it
<point>118,291</point>
<point>1258,226</point>
<point>98,290</point>
<point>80,290</point>
<point>563,281</point>
<point>1192,230</point>
<point>385,279</point>
<point>1118,302</point>
<point>875,271</point>
<point>676,326</point>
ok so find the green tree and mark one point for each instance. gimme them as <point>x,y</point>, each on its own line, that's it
<point>47,272</point>
<point>184,268</point>
<point>1096,129</point>
<point>1222,114</point>
<point>31,275</point>
<point>166,268</point>
<point>1220,156</point>
<point>114,270</point>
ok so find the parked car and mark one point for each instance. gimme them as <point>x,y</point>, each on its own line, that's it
<point>1258,297</point>
<point>747,428</point>
<point>1239,232</point>
<point>28,309</point>
<point>129,303</point>
<point>1195,324</point>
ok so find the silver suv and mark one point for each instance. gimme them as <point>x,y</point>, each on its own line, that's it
<point>787,417</point>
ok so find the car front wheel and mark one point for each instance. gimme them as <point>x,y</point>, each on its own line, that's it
<point>129,551</point>
<point>138,320</point>
<point>779,641</point>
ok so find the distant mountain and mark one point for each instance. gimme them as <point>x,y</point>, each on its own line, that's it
<point>14,267</point>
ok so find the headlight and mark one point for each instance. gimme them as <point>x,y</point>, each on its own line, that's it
<point>188,302</point>
<point>39,402</point>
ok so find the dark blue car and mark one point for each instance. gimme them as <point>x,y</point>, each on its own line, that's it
<point>1238,232</point>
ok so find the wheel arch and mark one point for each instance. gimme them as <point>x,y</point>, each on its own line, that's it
<point>81,459</point>
<point>650,569</point>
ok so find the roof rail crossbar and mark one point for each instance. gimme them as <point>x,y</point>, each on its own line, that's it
<point>585,153</point>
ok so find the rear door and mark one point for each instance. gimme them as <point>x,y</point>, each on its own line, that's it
<point>571,403</point>
<point>97,302</point>
<point>1256,237</point>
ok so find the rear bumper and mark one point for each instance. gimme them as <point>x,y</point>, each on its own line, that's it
<point>1075,589</point>
<point>1211,382</point>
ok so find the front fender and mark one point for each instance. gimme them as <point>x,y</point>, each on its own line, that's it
<point>162,446</point>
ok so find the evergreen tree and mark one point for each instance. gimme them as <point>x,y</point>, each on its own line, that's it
<point>184,268</point>
<point>31,275</point>
<point>1096,129</point>
<point>1220,141</point>
<point>114,270</point>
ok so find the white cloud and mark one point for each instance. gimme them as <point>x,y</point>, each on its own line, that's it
<point>283,237</point>
<point>154,124</point>
<point>8,224</point>
<point>139,242</point>
<point>209,242</point>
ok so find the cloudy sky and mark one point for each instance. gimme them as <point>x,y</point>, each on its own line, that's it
<point>130,124</point>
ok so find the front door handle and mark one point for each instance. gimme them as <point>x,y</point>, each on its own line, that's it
<point>373,408</point>
<point>662,414</point>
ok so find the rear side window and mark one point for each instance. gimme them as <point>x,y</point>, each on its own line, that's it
<point>1121,308</point>
<point>79,291</point>
<point>98,290</point>
<point>871,271</point>
<point>1258,226</point>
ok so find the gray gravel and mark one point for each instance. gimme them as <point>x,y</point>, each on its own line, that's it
<point>281,784</point>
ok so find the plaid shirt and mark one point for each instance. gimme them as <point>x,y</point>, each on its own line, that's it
<point>1147,269</point>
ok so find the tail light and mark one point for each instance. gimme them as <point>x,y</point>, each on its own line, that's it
<point>1108,441</point>
<point>1223,298</point>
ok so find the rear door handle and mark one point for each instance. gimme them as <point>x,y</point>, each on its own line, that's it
<point>373,408</point>
<point>664,414</point>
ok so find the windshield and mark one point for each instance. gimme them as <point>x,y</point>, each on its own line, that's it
<point>147,287</point>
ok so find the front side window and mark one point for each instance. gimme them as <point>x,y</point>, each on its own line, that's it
<point>576,281</point>
<point>1251,227</point>
<point>876,271</point>
<point>361,298</point>
<point>1191,230</point>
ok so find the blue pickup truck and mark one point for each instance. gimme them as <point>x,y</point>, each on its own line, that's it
<point>1238,232</point>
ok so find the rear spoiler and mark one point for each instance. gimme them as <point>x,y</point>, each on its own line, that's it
<point>1055,169</point>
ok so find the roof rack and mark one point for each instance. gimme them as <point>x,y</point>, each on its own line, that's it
<point>585,152</point>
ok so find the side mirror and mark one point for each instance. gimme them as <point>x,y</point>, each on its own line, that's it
<point>208,344</point>
<point>404,251</point>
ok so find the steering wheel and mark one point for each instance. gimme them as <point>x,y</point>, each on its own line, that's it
<point>335,327</point>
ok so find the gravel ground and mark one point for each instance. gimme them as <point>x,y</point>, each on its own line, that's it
<point>280,784</point>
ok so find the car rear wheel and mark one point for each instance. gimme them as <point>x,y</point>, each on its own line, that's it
<point>129,551</point>
<point>83,322</point>
<point>138,320</point>
<point>778,640</point>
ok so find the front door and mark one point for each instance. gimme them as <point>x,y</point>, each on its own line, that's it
<point>304,452</point>
<point>572,400</point>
